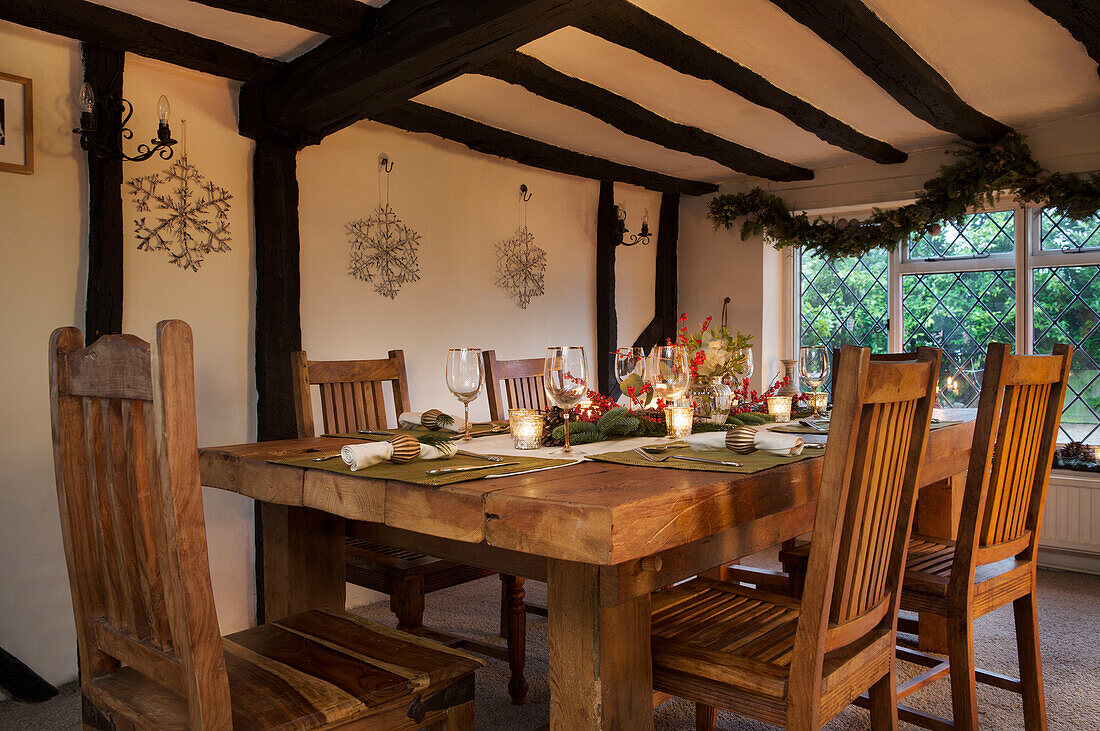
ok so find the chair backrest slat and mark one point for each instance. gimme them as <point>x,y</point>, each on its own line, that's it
<point>351,391</point>
<point>523,384</point>
<point>880,420</point>
<point>1019,411</point>
<point>126,464</point>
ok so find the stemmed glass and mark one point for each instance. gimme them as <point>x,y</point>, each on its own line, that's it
<point>464,378</point>
<point>813,367</point>
<point>630,362</point>
<point>668,372</point>
<point>565,378</point>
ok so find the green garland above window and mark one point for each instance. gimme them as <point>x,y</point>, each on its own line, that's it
<point>983,171</point>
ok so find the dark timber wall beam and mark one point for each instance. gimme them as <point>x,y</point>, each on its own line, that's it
<point>331,17</point>
<point>119,31</point>
<point>852,28</point>
<point>663,325</point>
<point>636,120</point>
<point>607,328</point>
<point>103,302</point>
<point>1081,18</point>
<point>631,27</point>
<point>278,285</point>
<point>415,117</point>
<point>414,46</point>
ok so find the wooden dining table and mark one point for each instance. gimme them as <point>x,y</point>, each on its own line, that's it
<point>603,536</point>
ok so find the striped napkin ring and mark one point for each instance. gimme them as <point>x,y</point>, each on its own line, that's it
<point>405,448</point>
<point>430,419</point>
<point>741,439</point>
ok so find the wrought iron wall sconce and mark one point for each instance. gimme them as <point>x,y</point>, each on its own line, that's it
<point>643,235</point>
<point>99,143</point>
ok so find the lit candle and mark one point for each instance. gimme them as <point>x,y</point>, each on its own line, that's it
<point>526,426</point>
<point>780,408</point>
<point>678,420</point>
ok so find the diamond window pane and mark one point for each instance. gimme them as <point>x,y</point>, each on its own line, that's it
<point>960,312</point>
<point>1067,310</point>
<point>844,301</point>
<point>1057,233</point>
<point>981,234</point>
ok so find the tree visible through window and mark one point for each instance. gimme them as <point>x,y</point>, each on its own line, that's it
<point>959,292</point>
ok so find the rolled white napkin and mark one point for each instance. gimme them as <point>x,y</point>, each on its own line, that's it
<point>411,420</point>
<point>782,445</point>
<point>360,456</point>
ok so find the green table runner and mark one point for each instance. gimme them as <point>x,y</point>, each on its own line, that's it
<point>476,430</point>
<point>802,429</point>
<point>754,462</point>
<point>415,471</point>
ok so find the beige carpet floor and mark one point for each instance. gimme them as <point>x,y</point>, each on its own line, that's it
<point>1069,616</point>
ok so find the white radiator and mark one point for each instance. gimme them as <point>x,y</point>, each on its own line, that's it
<point>1070,535</point>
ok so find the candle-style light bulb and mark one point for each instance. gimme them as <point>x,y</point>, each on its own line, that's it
<point>163,110</point>
<point>87,98</point>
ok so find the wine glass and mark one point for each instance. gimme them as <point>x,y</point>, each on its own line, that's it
<point>668,372</point>
<point>630,362</point>
<point>565,378</point>
<point>813,367</point>
<point>464,378</point>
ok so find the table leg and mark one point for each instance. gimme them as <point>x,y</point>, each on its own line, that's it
<point>303,560</point>
<point>939,508</point>
<point>601,674</point>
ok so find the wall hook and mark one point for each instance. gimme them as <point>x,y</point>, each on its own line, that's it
<point>523,194</point>
<point>384,162</point>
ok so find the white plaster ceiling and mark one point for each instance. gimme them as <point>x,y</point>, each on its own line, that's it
<point>1003,57</point>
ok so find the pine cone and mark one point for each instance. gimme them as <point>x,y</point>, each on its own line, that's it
<point>554,418</point>
<point>1078,451</point>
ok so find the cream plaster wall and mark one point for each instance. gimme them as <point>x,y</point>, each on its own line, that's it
<point>714,264</point>
<point>42,283</point>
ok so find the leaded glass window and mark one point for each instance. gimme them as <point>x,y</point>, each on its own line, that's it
<point>1057,233</point>
<point>981,234</point>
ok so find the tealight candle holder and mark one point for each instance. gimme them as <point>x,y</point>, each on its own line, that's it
<point>526,426</point>
<point>678,420</point>
<point>819,402</point>
<point>779,407</point>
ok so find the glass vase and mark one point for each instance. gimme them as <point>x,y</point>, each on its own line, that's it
<point>712,399</point>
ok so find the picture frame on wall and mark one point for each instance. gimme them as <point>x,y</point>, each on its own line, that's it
<point>16,124</point>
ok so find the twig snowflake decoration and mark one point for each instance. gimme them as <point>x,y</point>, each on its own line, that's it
<point>197,214</point>
<point>384,251</point>
<point>521,267</point>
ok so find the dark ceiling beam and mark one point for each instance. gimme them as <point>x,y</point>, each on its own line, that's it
<point>631,27</point>
<point>852,28</point>
<point>332,17</point>
<point>636,120</point>
<point>414,46</point>
<point>119,31</point>
<point>1081,18</point>
<point>414,117</point>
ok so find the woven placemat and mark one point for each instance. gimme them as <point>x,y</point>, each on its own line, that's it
<point>415,471</point>
<point>802,429</point>
<point>477,429</point>
<point>753,462</point>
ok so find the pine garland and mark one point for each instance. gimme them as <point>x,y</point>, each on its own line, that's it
<point>983,171</point>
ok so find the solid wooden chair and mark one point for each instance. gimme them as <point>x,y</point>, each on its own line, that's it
<point>992,561</point>
<point>800,662</point>
<point>523,384</point>
<point>149,647</point>
<point>353,398</point>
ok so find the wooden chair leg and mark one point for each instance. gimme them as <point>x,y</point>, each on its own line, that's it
<point>706,717</point>
<point>884,702</point>
<point>517,636</point>
<point>407,603</point>
<point>1031,666</point>
<point>960,646</point>
<point>504,606</point>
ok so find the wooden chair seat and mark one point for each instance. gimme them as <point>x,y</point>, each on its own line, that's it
<point>339,668</point>
<point>377,566</point>
<point>734,645</point>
